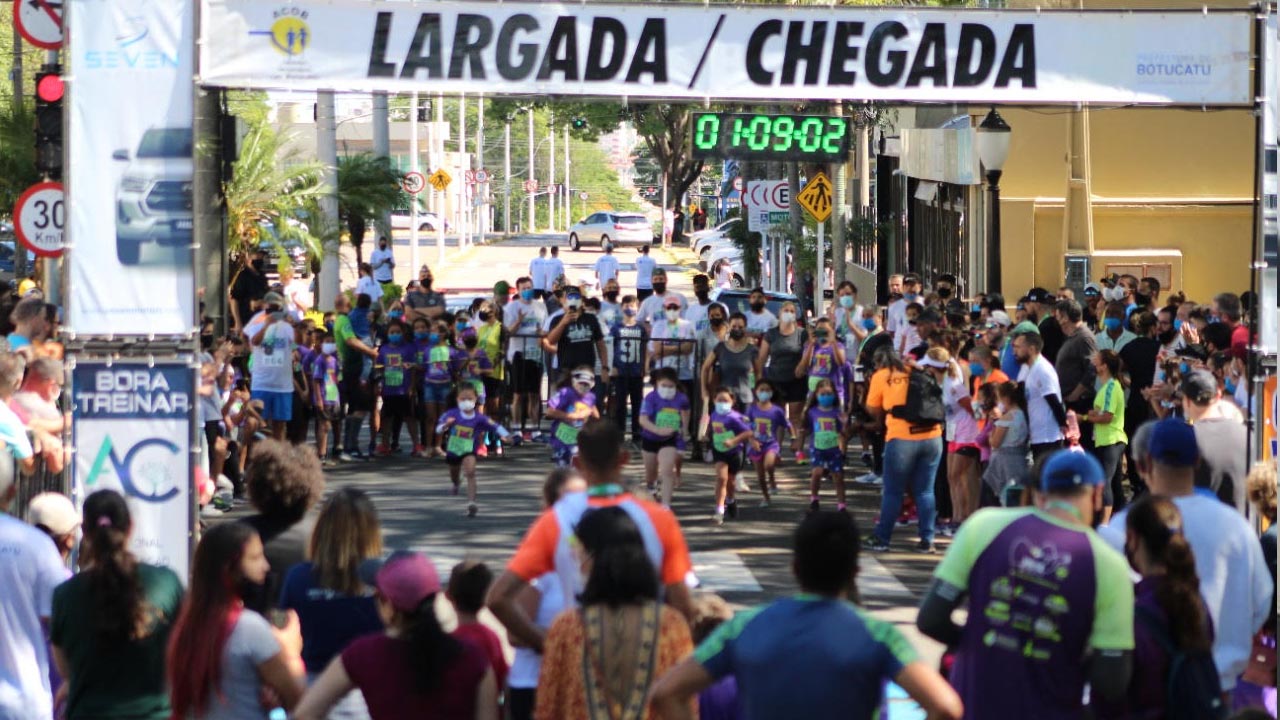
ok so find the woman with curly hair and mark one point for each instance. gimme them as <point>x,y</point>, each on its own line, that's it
<point>284,482</point>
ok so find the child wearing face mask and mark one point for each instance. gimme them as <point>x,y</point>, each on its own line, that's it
<point>823,357</point>
<point>728,431</point>
<point>396,357</point>
<point>1008,439</point>
<point>768,421</point>
<point>325,392</point>
<point>437,363</point>
<point>824,429</point>
<point>569,409</point>
<point>664,422</point>
<point>463,429</point>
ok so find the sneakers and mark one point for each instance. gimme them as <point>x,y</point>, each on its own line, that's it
<point>731,509</point>
<point>869,479</point>
<point>482,451</point>
<point>814,506</point>
<point>382,451</point>
<point>763,504</point>
<point>773,485</point>
<point>420,451</point>
<point>717,519</point>
<point>800,458</point>
<point>874,544</point>
<point>472,509</point>
<point>947,529</point>
<point>344,457</point>
<point>924,547</point>
<point>908,517</point>
<point>740,485</point>
<point>497,450</point>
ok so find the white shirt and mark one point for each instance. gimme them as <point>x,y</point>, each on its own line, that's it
<point>29,571</point>
<point>664,330</point>
<point>298,295</point>
<point>554,269</point>
<point>538,273</point>
<point>651,309</point>
<point>1234,580</point>
<point>845,318</point>
<point>366,285</point>
<point>528,664</point>
<point>547,325</point>
<point>1040,380</point>
<point>896,316</point>
<point>607,268</point>
<point>696,314</point>
<point>961,425</point>
<point>273,359</point>
<point>644,272</point>
<point>383,262</point>
<point>761,322</point>
<point>534,313</point>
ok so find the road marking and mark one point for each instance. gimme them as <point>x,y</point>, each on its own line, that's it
<point>874,581</point>
<point>723,571</point>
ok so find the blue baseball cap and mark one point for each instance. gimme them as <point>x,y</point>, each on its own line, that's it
<point>1173,443</point>
<point>1067,469</point>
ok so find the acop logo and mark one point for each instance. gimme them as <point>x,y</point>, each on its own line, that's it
<point>290,33</point>
<point>150,470</point>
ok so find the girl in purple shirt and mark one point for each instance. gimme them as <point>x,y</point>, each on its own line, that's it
<point>569,409</point>
<point>767,422</point>
<point>436,360</point>
<point>396,358</point>
<point>462,430</point>
<point>728,431</point>
<point>824,426</point>
<point>664,421</point>
<point>823,357</point>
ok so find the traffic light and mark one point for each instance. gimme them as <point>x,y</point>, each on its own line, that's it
<point>49,91</point>
<point>579,123</point>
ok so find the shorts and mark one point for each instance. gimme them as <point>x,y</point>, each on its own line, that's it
<point>396,406</point>
<point>733,459</point>
<point>436,393</point>
<point>456,460</point>
<point>765,449</point>
<point>830,460</point>
<point>969,450</point>
<point>328,412</point>
<point>492,387</point>
<point>653,446</point>
<point>790,391</point>
<point>526,375</point>
<point>276,406</point>
<point>562,455</point>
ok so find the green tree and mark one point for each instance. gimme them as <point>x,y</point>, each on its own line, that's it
<point>272,187</point>
<point>368,186</point>
<point>17,154</point>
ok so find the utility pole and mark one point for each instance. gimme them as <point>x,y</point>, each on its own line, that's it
<point>568,199</point>
<point>442,198</point>
<point>15,75</point>
<point>506,178</point>
<point>381,119</point>
<point>551,176</point>
<point>838,223</point>
<point>414,258</point>
<point>532,223</point>
<point>327,154</point>
<point>482,189</point>
<point>464,188</point>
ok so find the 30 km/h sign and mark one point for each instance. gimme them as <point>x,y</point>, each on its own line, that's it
<point>816,197</point>
<point>531,186</point>
<point>40,22</point>
<point>440,180</point>
<point>413,182</point>
<point>39,219</point>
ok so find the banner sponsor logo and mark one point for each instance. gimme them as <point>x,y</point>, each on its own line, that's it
<point>746,52</point>
<point>132,435</point>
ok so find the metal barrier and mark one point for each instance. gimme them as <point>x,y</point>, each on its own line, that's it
<point>40,480</point>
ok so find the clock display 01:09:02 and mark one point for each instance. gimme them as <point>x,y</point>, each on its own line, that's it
<point>817,138</point>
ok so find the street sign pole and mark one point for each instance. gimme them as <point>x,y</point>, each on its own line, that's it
<point>821,275</point>
<point>413,200</point>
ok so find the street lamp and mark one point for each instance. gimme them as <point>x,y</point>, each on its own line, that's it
<point>993,149</point>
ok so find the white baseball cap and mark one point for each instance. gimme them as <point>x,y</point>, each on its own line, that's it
<point>54,511</point>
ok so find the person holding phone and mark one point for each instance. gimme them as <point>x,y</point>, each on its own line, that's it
<point>273,335</point>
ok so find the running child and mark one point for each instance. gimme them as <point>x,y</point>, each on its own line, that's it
<point>326,396</point>
<point>463,429</point>
<point>396,358</point>
<point>664,422</point>
<point>728,430</point>
<point>824,426</point>
<point>435,358</point>
<point>767,421</point>
<point>569,409</point>
<point>823,358</point>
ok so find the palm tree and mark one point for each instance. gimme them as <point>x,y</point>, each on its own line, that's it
<point>272,186</point>
<point>17,153</point>
<point>368,186</point>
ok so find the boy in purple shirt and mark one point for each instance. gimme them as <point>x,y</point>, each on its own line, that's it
<point>664,421</point>
<point>396,358</point>
<point>728,430</point>
<point>462,429</point>
<point>570,408</point>
<point>767,421</point>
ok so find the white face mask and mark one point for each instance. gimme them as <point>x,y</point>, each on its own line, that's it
<point>724,408</point>
<point>466,406</point>
<point>787,317</point>
<point>673,315</point>
<point>666,392</point>
<point>329,348</point>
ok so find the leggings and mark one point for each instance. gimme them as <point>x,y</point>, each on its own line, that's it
<point>1113,479</point>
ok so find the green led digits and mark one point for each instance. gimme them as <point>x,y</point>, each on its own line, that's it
<point>813,138</point>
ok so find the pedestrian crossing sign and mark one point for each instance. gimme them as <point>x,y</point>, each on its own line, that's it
<point>816,197</point>
<point>440,180</point>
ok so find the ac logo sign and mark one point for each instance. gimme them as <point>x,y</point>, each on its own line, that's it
<point>150,470</point>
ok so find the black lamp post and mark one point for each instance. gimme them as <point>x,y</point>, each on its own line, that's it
<point>993,149</point>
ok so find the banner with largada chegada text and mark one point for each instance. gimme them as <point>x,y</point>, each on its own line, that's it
<point>132,433</point>
<point>766,53</point>
<point>130,101</point>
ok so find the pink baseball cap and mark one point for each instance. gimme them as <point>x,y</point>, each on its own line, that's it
<point>405,578</point>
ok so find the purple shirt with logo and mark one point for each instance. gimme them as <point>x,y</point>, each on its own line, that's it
<point>466,432</point>
<point>766,423</point>
<point>395,360</point>
<point>565,434</point>
<point>663,413</point>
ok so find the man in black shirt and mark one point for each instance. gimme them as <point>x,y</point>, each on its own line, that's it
<point>421,301</point>
<point>248,289</point>
<point>1039,305</point>
<point>577,338</point>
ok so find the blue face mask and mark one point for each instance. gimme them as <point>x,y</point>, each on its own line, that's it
<point>421,335</point>
<point>1184,368</point>
<point>975,308</point>
<point>629,311</point>
<point>846,301</point>
<point>395,314</point>
<point>724,408</point>
<point>395,338</point>
<point>826,400</point>
<point>764,395</point>
<point>1111,323</point>
<point>1230,387</point>
<point>462,324</point>
<point>868,324</point>
<point>910,297</point>
<point>433,338</point>
<point>526,295</point>
<point>976,369</point>
<point>1177,323</point>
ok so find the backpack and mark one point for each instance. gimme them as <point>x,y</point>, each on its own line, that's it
<point>924,405</point>
<point>1192,689</point>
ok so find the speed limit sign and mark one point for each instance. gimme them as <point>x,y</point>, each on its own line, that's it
<point>39,217</point>
<point>413,182</point>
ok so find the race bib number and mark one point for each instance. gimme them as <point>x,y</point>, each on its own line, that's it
<point>567,434</point>
<point>826,439</point>
<point>721,440</point>
<point>461,442</point>
<point>393,377</point>
<point>668,418</point>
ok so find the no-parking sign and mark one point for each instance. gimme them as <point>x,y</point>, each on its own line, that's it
<point>40,22</point>
<point>39,219</point>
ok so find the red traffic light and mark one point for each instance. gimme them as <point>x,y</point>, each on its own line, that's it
<point>49,88</point>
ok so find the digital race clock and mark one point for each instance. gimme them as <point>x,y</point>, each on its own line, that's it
<point>750,136</point>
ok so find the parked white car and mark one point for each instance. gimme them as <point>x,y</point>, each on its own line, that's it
<point>427,221</point>
<point>706,245</point>
<point>721,229</point>
<point>732,255</point>
<point>610,228</point>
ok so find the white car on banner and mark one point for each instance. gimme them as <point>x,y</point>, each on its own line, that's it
<point>153,201</point>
